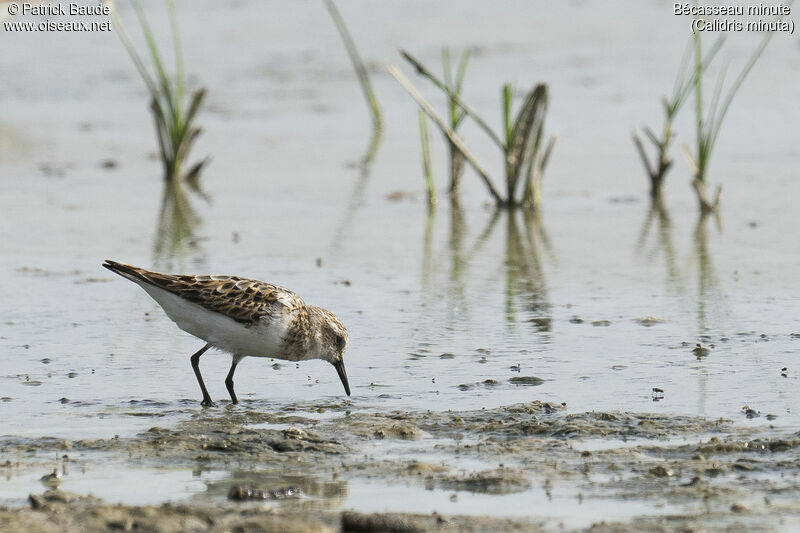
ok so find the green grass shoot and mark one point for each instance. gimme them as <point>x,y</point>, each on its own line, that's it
<point>522,140</point>
<point>457,141</point>
<point>363,79</point>
<point>174,114</point>
<point>427,167</point>
<point>684,83</point>
<point>708,122</point>
<point>454,82</point>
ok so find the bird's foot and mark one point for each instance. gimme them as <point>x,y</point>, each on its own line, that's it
<point>208,403</point>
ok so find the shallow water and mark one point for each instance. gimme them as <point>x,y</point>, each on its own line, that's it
<point>435,304</point>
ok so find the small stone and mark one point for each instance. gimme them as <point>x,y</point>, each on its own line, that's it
<point>700,350</point>
<point>531,381</point>
<point>661,471</point>
<point>649,321</point>
<point>52,479</point>
<point>750,413</point>
<point>294,433</point>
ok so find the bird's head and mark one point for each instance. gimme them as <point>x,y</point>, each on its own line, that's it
<point>332,342</point>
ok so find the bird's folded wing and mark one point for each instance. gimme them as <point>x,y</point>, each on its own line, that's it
<point>241,299</point>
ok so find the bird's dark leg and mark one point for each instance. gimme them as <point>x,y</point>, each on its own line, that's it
<point>196,367</point>
<point>229,379</point>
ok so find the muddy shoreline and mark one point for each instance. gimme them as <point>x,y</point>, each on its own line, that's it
<point>712,474</point>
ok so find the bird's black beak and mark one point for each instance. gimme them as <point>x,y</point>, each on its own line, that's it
<point>339,366</point>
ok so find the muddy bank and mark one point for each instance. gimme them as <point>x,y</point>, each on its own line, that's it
<point>681,471</point>
<point>64,512</point>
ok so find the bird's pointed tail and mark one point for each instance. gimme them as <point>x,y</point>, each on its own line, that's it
<point>131,272</point>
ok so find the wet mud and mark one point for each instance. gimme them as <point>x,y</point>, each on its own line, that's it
<point>290,472</point>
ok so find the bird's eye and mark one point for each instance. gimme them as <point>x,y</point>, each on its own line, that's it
<point>339,340</point>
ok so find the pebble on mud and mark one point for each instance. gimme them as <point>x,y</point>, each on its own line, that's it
<point>649,321</point>
<point>526,380</point>
<point>661,471</point>
<point>750,413</point>
<point>485,383</point>
<point>243,493</point>
<point>497,481</point>
<point>402,431</point>
<point>294,433</point>
<point>50,496</point>
<point>419,468</point>
<point>52,479</point>
<point>700,350</point>
<point>382,522</point>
